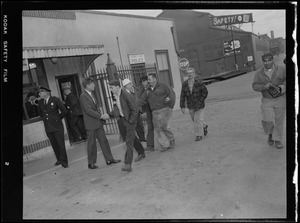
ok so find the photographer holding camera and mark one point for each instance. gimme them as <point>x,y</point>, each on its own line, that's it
<point>32,105</point>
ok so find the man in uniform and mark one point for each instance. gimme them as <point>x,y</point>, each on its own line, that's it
<point>52,111</point>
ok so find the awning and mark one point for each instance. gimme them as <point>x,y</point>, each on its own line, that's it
<point>61,51</point>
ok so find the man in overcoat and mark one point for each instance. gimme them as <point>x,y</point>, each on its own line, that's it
<point>52,111</point>
<point>75,114</point>
<point>94,121</point>
<point>127,111</point>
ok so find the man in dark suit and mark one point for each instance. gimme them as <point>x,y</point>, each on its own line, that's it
<point>127,85</point>
<point>93,121</point>
<point>127,111</point>
<point>75,114</point>
<point>52,111</point>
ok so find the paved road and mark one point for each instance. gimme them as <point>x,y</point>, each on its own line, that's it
<point>232,173</point>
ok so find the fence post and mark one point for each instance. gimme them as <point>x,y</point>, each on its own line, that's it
<point>111,69</point>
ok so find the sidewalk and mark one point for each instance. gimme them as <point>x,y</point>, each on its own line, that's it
<point>43,160</point>
<point>232,173</point>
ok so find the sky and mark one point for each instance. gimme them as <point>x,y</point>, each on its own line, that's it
<point>265,20</point>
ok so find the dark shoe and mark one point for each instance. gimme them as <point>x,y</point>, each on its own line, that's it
<point>57,163</point>
<point>140,157</point>
<point>165,149</point>
<point>270,141</point>
<point>172,144</point>
<point>92,166</point>
<point>205,130</point>
<point>127,167</point>
<point>143,140</point>
<point>278,145</point>
<point>150,148</point>
<point>112,161</point>
<point>65,166</point>
<point>198,138</point>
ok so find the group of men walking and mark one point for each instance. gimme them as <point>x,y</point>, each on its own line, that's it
<point>155,101</point>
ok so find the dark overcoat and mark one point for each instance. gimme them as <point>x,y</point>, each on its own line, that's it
<point>52,113</point>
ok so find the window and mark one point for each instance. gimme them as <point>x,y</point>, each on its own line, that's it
<point>33,76</point>
<point>163,64</point>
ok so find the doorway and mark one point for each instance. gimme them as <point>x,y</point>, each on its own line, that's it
<point>72,81</point>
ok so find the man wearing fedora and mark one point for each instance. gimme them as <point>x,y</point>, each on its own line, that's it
<point>270,80</point>
<point>75,114</point>
<point>94,121</point>
<point>52,111</point>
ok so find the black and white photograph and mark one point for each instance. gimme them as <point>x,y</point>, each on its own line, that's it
<point>162,111</point>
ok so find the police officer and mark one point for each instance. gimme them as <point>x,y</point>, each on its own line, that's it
<point>52,111</point>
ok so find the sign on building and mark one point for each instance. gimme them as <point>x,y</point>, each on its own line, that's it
<point>231,46</point>
<point>232,19</point>
<point>136,58</point>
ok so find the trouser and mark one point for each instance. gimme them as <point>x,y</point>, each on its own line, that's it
<point>140,128</point>
<point>131,139</point>
<point>57,141</point>
<point>198,119</point>
<point>76,124</point>
<point>98,134</point>
<point>273,116</point>
<point>136,143</point>
<point>150,134</point>
<point>161,119</point>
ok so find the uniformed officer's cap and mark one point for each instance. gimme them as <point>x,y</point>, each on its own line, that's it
<point>114,82</point>
<point>267,55</point>
<point>43,88</point>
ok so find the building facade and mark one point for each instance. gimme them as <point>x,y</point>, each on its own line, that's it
<point>212,50</point>
<point>62,47</point>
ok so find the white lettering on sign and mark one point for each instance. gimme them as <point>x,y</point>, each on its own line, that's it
<point>232,19</point>
<point>137,58</point>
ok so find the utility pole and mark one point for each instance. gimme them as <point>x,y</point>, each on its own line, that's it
<point>236,65</point>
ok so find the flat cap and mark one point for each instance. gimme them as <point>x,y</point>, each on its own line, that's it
<point>126,81</point>
<point>43,88</point>
<point>114,82</point>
